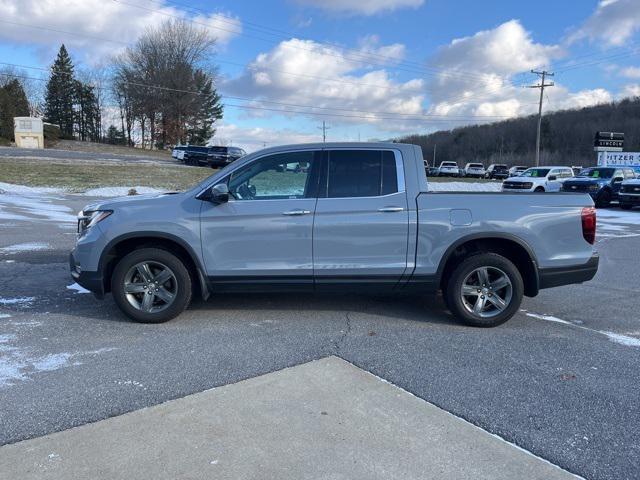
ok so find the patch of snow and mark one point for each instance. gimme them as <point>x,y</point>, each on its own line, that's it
<point>51,362</point>
<point>25,247</point>
<point>119,191</point>
<point>464,186</point>
<point>23,189</point>
<point>622,339</point>
<point>77,288</point>
<point>5,315</point>
<point>615,337</point>
<point>17,300</point>
<point>30,206</point>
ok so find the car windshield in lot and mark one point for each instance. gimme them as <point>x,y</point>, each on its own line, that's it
<point>535,172</point>
<point>597,172</point>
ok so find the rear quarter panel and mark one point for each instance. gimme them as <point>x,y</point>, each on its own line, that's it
<point>549,225</point>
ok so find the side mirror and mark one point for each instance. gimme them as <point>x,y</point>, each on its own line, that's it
<point>552,178</point>
<point>217,194</point>
<point>618,180</point>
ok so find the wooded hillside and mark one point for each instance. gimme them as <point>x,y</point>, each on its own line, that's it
<point>567,137</point>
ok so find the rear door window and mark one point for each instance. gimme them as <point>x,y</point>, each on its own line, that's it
<point>361,173</point>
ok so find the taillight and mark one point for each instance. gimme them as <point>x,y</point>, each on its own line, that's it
<point>589,224</point>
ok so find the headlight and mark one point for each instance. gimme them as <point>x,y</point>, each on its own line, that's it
<point>594,187</point>
<point>89,218</point>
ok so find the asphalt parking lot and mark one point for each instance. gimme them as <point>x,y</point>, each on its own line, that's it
<point>561,379</point>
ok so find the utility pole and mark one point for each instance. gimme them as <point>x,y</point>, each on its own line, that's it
<point>434,154</point>
<point>543,74</point>
<point>324,129</point>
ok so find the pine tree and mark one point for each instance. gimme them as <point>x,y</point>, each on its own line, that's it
<point>13,103</point>
<point>60,94</point>
<point>207,109</point>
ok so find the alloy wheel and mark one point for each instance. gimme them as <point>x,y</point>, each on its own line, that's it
<point>486,292</point>
<point>150,286</point>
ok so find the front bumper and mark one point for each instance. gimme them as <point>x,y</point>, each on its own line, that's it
<point>556,277</point>
<point>92,281</point>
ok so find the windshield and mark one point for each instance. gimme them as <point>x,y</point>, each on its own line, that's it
<point>475,165</point>
<point>449,164</point>
<point>535,172</point>
<point>597,172</point>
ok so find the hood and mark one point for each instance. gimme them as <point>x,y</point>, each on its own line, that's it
<point>133,200</point>
<point>587,180</point>
<point>519,179</point>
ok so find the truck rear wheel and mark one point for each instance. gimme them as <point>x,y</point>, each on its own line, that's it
<point>151,285</point>
<point>484,290</point>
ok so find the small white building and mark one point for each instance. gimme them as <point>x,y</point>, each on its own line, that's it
<point>29,132</point>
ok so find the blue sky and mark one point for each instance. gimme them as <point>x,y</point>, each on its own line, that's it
<point>373,69</point>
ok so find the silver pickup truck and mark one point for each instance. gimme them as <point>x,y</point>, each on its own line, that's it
<point>333,216</point>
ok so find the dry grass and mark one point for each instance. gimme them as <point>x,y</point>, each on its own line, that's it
<point>78,177</point>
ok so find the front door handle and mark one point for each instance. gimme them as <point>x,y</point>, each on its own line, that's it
<point>297,212</point>
<point>391,209</point>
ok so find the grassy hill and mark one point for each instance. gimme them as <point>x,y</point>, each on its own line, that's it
<point>567,137</point>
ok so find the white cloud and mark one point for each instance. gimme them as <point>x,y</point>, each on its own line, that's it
<point>361,7</point>
<point>631,72</point>
<point>255,138</point>
<point>92,20</point>
<point>327,77</point>
<point>476,73</point>
<point>630,91</point>
<point>612,23</point>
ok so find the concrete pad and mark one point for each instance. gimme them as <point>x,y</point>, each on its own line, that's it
<point>326,419</point>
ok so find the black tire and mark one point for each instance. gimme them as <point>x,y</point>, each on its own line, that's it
<point>625,206</point>
<point>494,263</point>
<point>539,190</point>
<point>179,284</point>
<point>603,199</point>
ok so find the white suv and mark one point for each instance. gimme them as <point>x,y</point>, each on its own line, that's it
<point>538,179</point>
<point>474,170</point>
<point>448,169</point>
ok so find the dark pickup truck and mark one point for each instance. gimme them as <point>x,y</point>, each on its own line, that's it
<point>214,157</point>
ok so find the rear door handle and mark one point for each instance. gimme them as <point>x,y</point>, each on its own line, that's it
<point>391,209</point>
<point>297,212</point>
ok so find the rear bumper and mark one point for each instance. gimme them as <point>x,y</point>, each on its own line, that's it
<point>556,277</point>
<point>92,281</point>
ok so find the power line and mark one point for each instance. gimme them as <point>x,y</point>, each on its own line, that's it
<point>543,74</point>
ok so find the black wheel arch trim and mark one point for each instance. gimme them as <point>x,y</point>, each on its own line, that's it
<point>490,236</point>
<point>204,288</point>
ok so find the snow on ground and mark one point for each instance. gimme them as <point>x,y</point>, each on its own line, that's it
<point>25,247</point>
<point>17,301</point>
<point>464,186</point>
<point>20,363</point>
<point>614,337</point>
<point>19,202</point>
<point>119,191</point>
<point>77,288</point>
<point>616,223</point>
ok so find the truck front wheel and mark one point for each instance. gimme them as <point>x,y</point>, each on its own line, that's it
<point>151,285</point>
<point>484,290</point>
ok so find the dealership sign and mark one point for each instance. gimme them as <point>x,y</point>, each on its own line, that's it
<point>619,159</point>
<point>608,142</point>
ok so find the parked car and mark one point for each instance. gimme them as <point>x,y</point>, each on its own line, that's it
<point>255,226</point>
<point>213,157</point>
<point>538,179</point>
<point>473,170</point>
<point>602,183</point>
<point>448,169</point>
<point>629,195</point>
<point>577,169</point>
<point>178,152</point>
<point>430,171</point>
<point>517,170</point>
<point>497,171</point>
